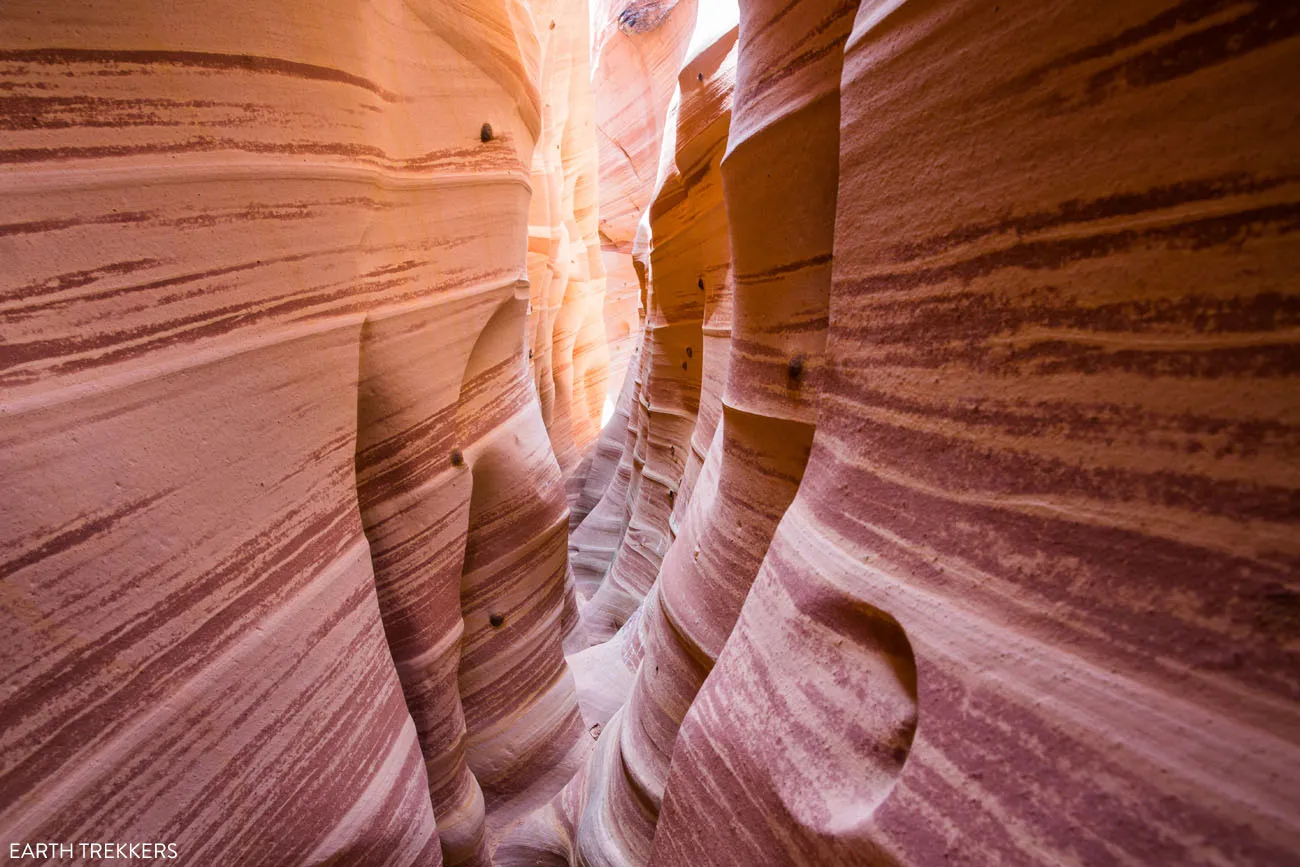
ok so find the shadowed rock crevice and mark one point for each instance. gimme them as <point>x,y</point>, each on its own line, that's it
<point>415,507</point>
<point>521,711</point>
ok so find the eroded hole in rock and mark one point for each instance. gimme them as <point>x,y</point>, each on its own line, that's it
<point>795,368</point>
<point>643,16</point>
<point>1016,569</point>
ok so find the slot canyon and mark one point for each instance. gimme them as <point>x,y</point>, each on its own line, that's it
<point>650,432</point>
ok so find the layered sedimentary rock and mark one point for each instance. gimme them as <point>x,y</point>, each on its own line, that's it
<point>568,347</point>
<point>947,512</point>
<point>284,536</point>
<point>1034,601</point>
<point>599,515</point>
<point>748,449</point>
<point>636,54</point>
<point>677,404</point>
<point>606,814</point>
<point>782,283</point>
<point>1054,421</point>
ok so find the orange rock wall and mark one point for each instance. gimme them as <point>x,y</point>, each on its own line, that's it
<point>946,512</point>
<point>284,533</point>
<point>1027,272</point>
<point>606,815</point>
<point>568,348</point>
<point>636,54</point>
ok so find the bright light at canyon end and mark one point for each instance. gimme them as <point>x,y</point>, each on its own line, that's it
<point>650,433</point>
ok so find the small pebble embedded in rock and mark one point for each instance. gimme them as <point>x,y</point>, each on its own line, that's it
<point>485,133</point>
<point>796,367</point>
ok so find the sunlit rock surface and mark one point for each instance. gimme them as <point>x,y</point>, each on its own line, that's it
<point>606,815</point>
<point>636,56</point>
<point>568,348</point>
<point>650,432</point>
<point>273,463</point>
<point>690,270</point>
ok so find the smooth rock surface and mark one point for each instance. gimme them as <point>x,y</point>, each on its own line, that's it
<point>1032,603</point>
<point>652,432</point>
<point>272,458</point>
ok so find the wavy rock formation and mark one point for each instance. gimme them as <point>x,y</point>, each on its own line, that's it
<point>690,272</point>
<point>638,50</point>
<point>568,350</point>
<point>1031,602</point>
<point>756,439</point>
<point>602,817</point>
<point>262,327</point>
<point>652,432</point>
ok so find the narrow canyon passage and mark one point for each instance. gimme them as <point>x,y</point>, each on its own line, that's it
<point>650,432</point>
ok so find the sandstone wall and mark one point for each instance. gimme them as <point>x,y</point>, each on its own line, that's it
<point>1033,601</point>
<point>284,535</point>
<point>947,511</point>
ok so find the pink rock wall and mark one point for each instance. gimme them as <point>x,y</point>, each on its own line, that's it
<point>284,533</point>
<point>568,347</point>
<point>747,448</point>
<point>606,815</point>
<point>689,264</point>
<point>636,53</point>
<point>1030,603</point>
<point>946,512</point>
<point>996,624</point>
